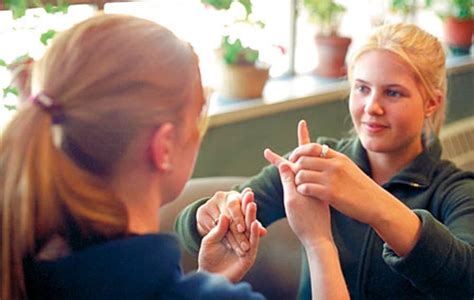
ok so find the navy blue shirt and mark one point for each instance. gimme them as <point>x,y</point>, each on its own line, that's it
<point>140,267</point>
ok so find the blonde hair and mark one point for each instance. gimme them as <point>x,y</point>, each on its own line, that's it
<point>422,52</point>
<point>114,76</point>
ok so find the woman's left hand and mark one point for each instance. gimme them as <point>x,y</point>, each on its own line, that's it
<point>215,257</point>
<point>336,179</point>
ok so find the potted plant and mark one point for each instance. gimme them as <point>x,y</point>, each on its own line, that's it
<point>458,23</point>
<point>331,47</point>
<point>243,75</point>
<point>406,9</point>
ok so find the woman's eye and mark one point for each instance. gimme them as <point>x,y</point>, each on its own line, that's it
<point>362,89</point>
<point>393,93</point>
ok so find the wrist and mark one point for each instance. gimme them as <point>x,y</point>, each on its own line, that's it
<point>398,226</point>
<point>320,246</point>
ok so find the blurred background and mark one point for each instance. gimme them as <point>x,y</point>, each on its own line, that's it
<point>281,40</point>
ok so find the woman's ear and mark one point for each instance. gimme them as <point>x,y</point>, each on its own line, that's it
<point>434,103</point>
<point>162,146</point>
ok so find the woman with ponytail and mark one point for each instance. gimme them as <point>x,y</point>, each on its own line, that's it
<point>110,133</point>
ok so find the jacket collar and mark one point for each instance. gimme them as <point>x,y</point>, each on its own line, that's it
<point>418,173</point>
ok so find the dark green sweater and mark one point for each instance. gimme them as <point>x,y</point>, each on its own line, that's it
<point>441,265</point>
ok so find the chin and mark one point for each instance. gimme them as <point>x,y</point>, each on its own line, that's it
<point>373,145</point>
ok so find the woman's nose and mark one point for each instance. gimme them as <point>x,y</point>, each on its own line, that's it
<point>373,106</point>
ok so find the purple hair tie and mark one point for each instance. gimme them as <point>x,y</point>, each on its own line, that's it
<point>49,105</point>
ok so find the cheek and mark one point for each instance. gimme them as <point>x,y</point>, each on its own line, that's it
<point>191,149</point>
<point>407,124</point>
<point>355,108</point>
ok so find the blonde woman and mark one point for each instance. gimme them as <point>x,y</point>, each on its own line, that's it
<point>402,219</point>
<point>109,135</point>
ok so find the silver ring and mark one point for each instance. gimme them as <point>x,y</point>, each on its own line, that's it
<point>324,151</point>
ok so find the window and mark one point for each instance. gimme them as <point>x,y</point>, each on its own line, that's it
<point>203,28</point>
<point>22,36</point>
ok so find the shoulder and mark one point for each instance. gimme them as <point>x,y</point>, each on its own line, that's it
<point>133,267</point>
<point>203,285</point>
<point>448,176</point>
<point>454,188</point>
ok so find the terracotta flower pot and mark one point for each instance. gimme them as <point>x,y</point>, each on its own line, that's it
<point>242,81</point>
<point>458,34</point>
<point>332,55</point>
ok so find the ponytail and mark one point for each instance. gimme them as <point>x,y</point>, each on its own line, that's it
<point>40,189</point>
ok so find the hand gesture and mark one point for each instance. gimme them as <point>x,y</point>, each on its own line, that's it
<point>215,257</point>
<point>327,174</point>
<point>308,217</point>
<point>336,179</point>
<point>234,206</point>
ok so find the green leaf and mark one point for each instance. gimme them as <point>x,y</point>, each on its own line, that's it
<point>9,107</point>
<point>325,13</point>
<point>251,55</point>
<point>3,63</point>
<point>18,7</point>
<point>45,37</point>
<point>218,4</point>
<point>231,50</point>
<point>247,5</point>
<point>61,7</point>
<point>10,90</point>
<point>236,53</point>
<point>49,8</point>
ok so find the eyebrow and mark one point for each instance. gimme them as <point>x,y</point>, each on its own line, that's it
<point>384,85</point>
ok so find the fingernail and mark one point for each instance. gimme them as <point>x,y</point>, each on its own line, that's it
<point>240,228</point>
<point>244,246</point>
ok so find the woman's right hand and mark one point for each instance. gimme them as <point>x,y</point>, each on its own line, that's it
<point>216,258</point>
<point>308,217</point>
<point>235,206</point>
<point>310,220</point>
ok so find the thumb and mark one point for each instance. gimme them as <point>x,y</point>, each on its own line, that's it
<point>287,180</point>
<point>219,231</point>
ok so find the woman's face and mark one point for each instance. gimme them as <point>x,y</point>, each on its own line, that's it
<point>386,105</point>
<point>188,143</point>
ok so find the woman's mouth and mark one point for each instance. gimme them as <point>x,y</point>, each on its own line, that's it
<point>374,127</point>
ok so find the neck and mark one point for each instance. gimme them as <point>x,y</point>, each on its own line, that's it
<point>385,165</point>
<point>142,199</point>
